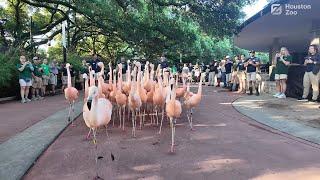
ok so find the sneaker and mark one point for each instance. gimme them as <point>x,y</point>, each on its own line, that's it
<point>23,101</point>
<point>277,94</point>
<point>313,100</point>
<point>40,97</point>
<point>28,100</point>
<point>282,96</point>
<point>302,99</point>
<point>34,99</point>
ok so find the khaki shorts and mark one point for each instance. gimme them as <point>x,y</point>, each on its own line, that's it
<point>241,75</point>
<point>53,79</point>
<point>251,76</point>
<point>37,82</point>
<point>64,80</point>
<point>280,76</point>
<point>45,80</point>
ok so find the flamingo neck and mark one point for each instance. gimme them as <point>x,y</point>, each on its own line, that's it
<point>69,77</point>
<point>200,86</point>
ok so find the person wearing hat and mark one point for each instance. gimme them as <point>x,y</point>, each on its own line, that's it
<point>228,67</point>
<point>37,79</point>
<point>251,64</point>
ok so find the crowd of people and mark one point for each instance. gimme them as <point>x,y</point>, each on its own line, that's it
<point>240,73</point>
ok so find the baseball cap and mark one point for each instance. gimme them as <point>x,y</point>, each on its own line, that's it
<point>252,51</point>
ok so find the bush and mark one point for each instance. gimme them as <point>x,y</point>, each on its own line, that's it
<point>9,85</point>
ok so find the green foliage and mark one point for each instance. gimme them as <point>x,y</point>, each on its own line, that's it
<point>75,60</point>
<point>8,71</point>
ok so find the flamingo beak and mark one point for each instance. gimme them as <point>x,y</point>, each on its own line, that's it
<point>89,103</point>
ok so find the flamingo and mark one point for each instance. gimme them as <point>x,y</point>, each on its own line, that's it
<point>71,94</point>
<point>181,91</point>
<point>142,92</point>
<point>121,98</point>
<point>97,112</point>
<point>173,110</point>
<point>134,102</point>
<point>192,100</point>
<point>159,98</point>
<point>127,85</point>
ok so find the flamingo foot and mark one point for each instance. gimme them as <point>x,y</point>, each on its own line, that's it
<point>172,150</point>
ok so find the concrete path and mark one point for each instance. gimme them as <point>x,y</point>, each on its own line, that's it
<point>18,153</point>
<point>300,119</point>
<point>16,117</point>
<point>225,145</point>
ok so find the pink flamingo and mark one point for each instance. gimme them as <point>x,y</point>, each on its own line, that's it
<point>121,98</point>
<point>192,100</point>
<point>71,94</point>
<point>173,110</point>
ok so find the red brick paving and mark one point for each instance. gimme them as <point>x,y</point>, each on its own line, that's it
<point>225,145</point>
<point>15,117</point>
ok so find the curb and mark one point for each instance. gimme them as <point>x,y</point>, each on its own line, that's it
<point>19,153</point>
<point>289,127</point>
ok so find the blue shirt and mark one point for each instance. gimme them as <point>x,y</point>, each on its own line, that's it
<point>240,66</point>
<point>228,67</point>
<point>250,67</point>
<point>94,65</point>
<point>314,58</point>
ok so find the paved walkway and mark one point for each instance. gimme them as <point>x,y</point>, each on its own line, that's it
<point>26,144</point>
<point>300,119</point>
<point>16,117</point>
<point>225,145</point>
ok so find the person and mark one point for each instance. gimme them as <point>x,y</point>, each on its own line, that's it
<point>283,59</point>
<point>212,73</point>
<point>228,67</point>
<point>124,68</point>
<point>252,63</point>
<point>197,72</point>
<point>164,63</point>
<point>234,82</point>
<point>45,75</point>
<point>94,64</point>
<point>25,69</point>
<point>53,80</point>
<point>174,70</point>
<point>185,71</point>
<point>37,80</point>
<point>311,75</point>
<point>241,74</point>
<point>223,72</point>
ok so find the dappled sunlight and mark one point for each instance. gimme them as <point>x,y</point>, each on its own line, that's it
<point>148,167</point>
<point>127,176</point>
<point>229,103</point>
<point>203,136</point>
<point>215,164</point>
<point>296,174</point>
<point>210,125</point>
<point>154,177</point>
<point>308,105</point>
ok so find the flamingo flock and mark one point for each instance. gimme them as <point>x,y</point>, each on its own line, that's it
<point>142,97</point>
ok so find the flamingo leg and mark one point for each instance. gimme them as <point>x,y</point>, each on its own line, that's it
<point>73,113</point>
<point>69,113</point>
<point>157,116</point>
<point>88,135</point>
<point>133,124</point>
<point>172,135</point>
<point>106,126</point>
<point>96,152</point>
<point>124,113</point>
<point>140,119</point>
<point>120,117</point>
<point>191,125</point>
